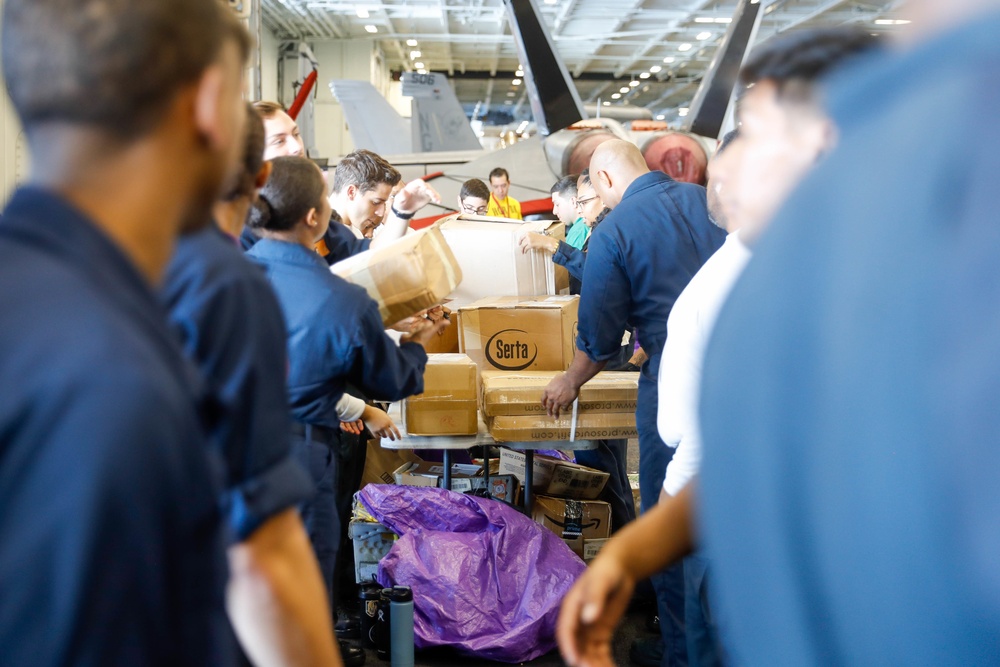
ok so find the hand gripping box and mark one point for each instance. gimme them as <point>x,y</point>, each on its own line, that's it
<point>409,275</point>
<point>520,393</point>
<point>520,333</point>
<point>492,262</point>
<point>448,405</point>
<point>586,426</point>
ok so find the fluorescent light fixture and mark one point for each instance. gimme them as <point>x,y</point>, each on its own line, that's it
<point>421,71</point>
<point>370,28</point>
<point>551,2</point>
<point>418,65</point>
<point>704,19</point>
<point>669,59</point>
<point>702,36</point>
<point>519,72</point>
<point>655,69</point>
<point>623,89</point>
<point>362,13</point>
<point>633,83</point>
<point>645,75</point>
<point>684,47</point>
<point>415,54</point>
<point>683,111</point>
<point>511,94</point>
<point>660,117</point>
<point>515,82</point>
<point>507,102</point>
<point>891,22</point>
<point>616,96</point>
<point>411,42</point>
<point>606,103</point>
<point>724,20</point>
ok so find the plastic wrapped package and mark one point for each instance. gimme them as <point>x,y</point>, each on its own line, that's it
<point>487,580</point>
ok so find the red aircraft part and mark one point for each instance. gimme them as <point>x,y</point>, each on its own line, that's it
<point>304,92</point>
<point>679,156</point>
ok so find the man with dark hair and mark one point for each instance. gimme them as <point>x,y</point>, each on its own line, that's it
<point>501,205</point>
<point>231,326</point>
<point>113,544</point>
<point>563,194</point>
<point>362,189</point>
<point>781,138</point>
<point>473,198</point>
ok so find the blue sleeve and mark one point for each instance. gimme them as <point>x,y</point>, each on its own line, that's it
<point>116,511</point>
<point>383,370</point>
<point>573,259</point>
<point>605,299</point>
<point>235,333</point>
<point>342,243</point>
<point>247,238</point>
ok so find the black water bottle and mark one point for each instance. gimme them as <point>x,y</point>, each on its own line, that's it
<point>383,631</point>
<point>369,597</point>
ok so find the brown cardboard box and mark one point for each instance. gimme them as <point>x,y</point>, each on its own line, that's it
<point>406,276</point>
<point>517,334</point>
<point>578,522</point>
<point>447,341</point>
<point>380,463</point>
<point>520,393</point>
<point>448,405</point>
<point>429,473</point>
<point>554,477</point>
<point>492,262</point>
<point>589,426</point>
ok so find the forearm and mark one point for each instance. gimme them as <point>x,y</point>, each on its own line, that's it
<point>350,408</point>
<point>392,229</point>
<point>583,368</point>
<point>276,597</point>
<point>657,539</point>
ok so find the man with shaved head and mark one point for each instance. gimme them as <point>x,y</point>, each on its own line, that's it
<point>641,257</point>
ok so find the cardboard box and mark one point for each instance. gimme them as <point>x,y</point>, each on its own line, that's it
<point>579,522</point>
<point>553,477</point>
<point>372,541</point>
<point>430,473</point>
<point>591,549</point>
<point>406,276</point>
<point>491,260</point>
<point>518,334</point>
<point>449,403</point>
<point>520,393</point>
<point>381,463</point>
<point>589,426</point>
<point>447,341</point>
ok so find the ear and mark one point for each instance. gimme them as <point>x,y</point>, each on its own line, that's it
<point>605,178</point>
<point>209,106</point>
<point>312,218</point>
<point>352,192</point>
<point>263,175</point>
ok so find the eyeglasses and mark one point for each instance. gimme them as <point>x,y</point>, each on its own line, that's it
<point>580,203</point>
<point>475,210</point>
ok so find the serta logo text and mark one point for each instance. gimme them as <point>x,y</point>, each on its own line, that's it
<point>510,350</point>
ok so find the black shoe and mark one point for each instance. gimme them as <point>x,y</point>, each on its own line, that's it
<point>348,627</point>
<point>646,652</point>
<point>653,624</point>
<point>351,655</point>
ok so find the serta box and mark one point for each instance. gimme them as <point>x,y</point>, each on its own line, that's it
<point>406,276</point>
<point>520,333</point>
<point>554,477</point>
<point>520,393</point>
<point>492,262</point>
<point>448,405</point>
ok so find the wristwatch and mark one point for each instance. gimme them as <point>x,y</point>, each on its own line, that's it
<point>400,215</point>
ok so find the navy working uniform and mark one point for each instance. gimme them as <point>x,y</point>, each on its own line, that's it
<point>231,325</point>
<point>112,546</point>
<point>335,336</point>
<point>639,260</point>
<point>849,495</point>
<point>337,244</point>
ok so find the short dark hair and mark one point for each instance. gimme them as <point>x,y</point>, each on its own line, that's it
<point>796,62</point>
<point>245,181</point>
<point>565,186</point>
<point>474,188</point>
<point>114,65</point>
<point>498,172</point>
<point>584,176</point>
<point>366,170</point>
<point>295,186</point>
<point>267,110</point>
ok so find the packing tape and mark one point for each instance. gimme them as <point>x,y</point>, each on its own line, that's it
<point>443,250</point>
<point>572,426</point>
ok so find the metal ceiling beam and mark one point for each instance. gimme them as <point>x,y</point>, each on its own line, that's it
<point>447,31</point>
<point>657,40</point>
<point>622,19</point>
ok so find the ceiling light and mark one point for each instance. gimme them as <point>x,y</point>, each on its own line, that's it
<point>704,19</point>
<point>507,102</point>
<point>660,117</point>
<point>633,83</point>
<point>607,104</point>
<point>623,89</point>
<point>371,28</point>
<point>411,42</point>
<point>415,54</point>
<point>683,111</point>
<point>891,22</point>
<point>511,94</point>
<point>724,20</point>
<point>551,2</point>
<point>418,65</point>
<point>515,82</point>
<point>519,73</point>
<point>684,47</point>
<point>645,75</point>
<point>669,59</point>
<point>655,69</point>
<point>362,13</point>
<point>702,36</point>
<point>616,96</point>
<point>421,71</point>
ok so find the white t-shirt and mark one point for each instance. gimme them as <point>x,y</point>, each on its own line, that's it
<point>679,383</point>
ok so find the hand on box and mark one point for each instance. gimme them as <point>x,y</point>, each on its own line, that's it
<point>536,241</point>
<point>559,395</point>
<point>379,423</point>
<point>424,330</point>
<point>415,196</point>
<point>591,611</point>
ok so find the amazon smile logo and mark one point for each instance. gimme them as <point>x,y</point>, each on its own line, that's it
<point>576,524</point>
<point>508,351</point>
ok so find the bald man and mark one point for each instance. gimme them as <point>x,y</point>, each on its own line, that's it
<point>641,257</point>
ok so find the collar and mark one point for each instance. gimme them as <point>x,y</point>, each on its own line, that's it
<point>646,181</point>
<point>287,252</point>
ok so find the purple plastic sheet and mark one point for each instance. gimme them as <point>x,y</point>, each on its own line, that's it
<point>486,579</point>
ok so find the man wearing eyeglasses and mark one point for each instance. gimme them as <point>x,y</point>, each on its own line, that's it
<point>473,198</point>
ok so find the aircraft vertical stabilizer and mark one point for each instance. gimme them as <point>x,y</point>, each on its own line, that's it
<point>372,121</point>
<point>438,122</point>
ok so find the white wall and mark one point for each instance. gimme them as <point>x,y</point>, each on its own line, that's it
<point>356,59</point>
<point>9,132</point>
<point>268,65</point>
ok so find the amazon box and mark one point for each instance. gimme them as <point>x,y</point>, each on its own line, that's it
<point>588,426</point>
<point>409,275</point>
<point>578,522</point>
<point>520,333</point>
<point>448,405</point>
<point>492,262</point>
<point>555,477</point>
<point>520,393</point>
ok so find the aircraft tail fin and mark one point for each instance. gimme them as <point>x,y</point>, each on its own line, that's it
<point>371,120</point>
<point>438,122</point>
